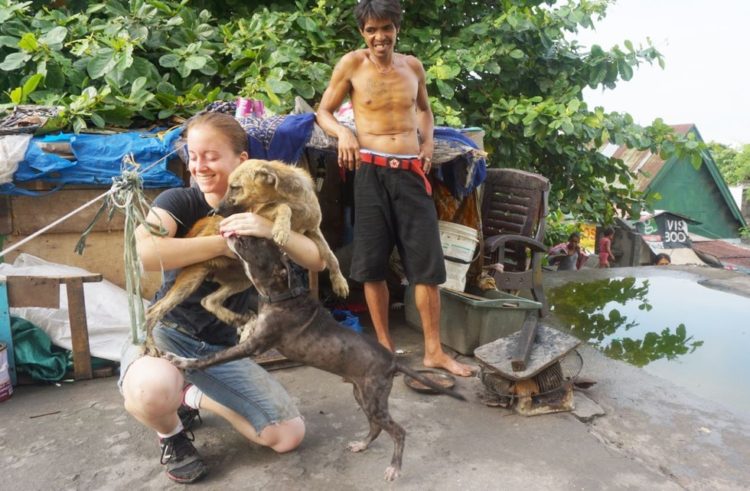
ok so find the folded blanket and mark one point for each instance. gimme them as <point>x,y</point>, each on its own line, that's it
<point>278,137</point>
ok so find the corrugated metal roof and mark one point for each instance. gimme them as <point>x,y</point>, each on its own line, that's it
<point>644,164</point>
<point>725,252</point>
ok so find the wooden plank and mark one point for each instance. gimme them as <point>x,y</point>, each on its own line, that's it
<point>525,342</point>
<point>103,254</point>
<point>6,219</point>
<point>33,291</point>
<point>79,332</point>
<point>31,213</point>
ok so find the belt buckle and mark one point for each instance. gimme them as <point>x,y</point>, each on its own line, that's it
<point>394,163</point>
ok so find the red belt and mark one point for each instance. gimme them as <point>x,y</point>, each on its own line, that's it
<point>412,164</point>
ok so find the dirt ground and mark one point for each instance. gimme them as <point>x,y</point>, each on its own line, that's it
<point>629,431</point>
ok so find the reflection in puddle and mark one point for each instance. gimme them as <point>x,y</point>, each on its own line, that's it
<point>675,328</point>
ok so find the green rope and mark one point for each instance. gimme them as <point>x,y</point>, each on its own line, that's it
<point>126,196</point>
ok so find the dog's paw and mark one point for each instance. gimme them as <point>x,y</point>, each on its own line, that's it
<point>391,473</point>
<point>179,361</point>
<point>340,286</point>
<point>357,446</point>
<point>280,235</point>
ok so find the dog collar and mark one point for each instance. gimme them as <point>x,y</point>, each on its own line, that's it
<point>287,295</point>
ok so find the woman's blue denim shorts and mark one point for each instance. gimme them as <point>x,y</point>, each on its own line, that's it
<point>241,385</point>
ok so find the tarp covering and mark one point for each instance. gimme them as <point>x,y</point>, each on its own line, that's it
<point>35,354</point>
<point>96,160</point>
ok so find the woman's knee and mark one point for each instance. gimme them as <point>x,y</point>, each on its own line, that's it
<point>152,386</point>
<point>285,436</point>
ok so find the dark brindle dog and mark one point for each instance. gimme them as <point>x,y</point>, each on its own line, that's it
<point>297,325</point>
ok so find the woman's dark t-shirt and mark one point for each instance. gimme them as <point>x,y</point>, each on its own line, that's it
<point>187,206</point>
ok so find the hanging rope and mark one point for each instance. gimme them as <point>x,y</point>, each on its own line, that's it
<point>127,197</point>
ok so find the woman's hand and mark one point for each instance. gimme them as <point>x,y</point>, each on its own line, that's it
<point>246,224</point>
<point>300,248</point>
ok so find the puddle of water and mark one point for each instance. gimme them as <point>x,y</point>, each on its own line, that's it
<point>694,336</point>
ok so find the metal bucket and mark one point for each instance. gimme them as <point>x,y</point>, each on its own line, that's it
<point>6,388</point>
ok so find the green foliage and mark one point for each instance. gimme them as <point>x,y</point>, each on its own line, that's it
<point>117,63</point>
<point>733,164</point>
<point>512,67</point>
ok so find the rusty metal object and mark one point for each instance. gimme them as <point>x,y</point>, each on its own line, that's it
<point>545,386</point>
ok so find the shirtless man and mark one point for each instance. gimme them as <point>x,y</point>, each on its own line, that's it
<point>392,152</point>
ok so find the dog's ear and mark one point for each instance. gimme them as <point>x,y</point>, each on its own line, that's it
<point>290,185</point>
<point>265,177</point>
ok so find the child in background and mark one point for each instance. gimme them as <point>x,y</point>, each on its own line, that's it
<point>605,247</point>
<point>662,259</point>
<point>568,255</point>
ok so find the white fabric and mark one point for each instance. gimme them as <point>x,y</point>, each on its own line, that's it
<point>107,313</point>
<point>12,150</point>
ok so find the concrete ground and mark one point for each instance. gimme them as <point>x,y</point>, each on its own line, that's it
<point>629,431</point>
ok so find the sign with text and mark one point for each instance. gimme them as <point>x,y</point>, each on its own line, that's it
<point>666,230</point>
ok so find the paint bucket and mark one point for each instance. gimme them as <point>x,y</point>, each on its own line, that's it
<point>6,388</point>
<point>459,247</point>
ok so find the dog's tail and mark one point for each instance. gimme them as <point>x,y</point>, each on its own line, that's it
<point>429,383</point>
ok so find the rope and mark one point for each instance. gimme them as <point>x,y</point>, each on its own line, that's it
<point>127,197</point>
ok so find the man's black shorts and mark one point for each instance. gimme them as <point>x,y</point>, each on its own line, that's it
<point>392,207</point>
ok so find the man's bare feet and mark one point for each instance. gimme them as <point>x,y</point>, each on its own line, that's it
<point>442,360</point>
<point>387,343</point>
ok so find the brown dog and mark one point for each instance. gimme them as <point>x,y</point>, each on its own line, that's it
<point>285,195</point>
<point>274,190</point>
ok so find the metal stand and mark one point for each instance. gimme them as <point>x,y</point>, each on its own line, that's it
<point>541,387</point>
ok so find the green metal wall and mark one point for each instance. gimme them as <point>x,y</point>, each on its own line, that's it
<point>694,193</point>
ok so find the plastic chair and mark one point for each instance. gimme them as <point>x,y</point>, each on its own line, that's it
<point>514,210</point>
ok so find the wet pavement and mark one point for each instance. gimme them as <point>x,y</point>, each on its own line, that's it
<point>631,430</point>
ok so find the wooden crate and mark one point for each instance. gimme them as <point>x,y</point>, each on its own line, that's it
<point>21,216</point>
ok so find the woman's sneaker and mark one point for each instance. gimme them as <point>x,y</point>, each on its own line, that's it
<point>184,465</point>
<point>190,417</point>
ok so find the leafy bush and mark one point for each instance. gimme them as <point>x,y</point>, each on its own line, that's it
<point>118,63</point>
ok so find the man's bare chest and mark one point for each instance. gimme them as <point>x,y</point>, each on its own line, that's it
<point>395,89</point>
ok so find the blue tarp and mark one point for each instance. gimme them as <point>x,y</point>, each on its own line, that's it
<point>98,158</point>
